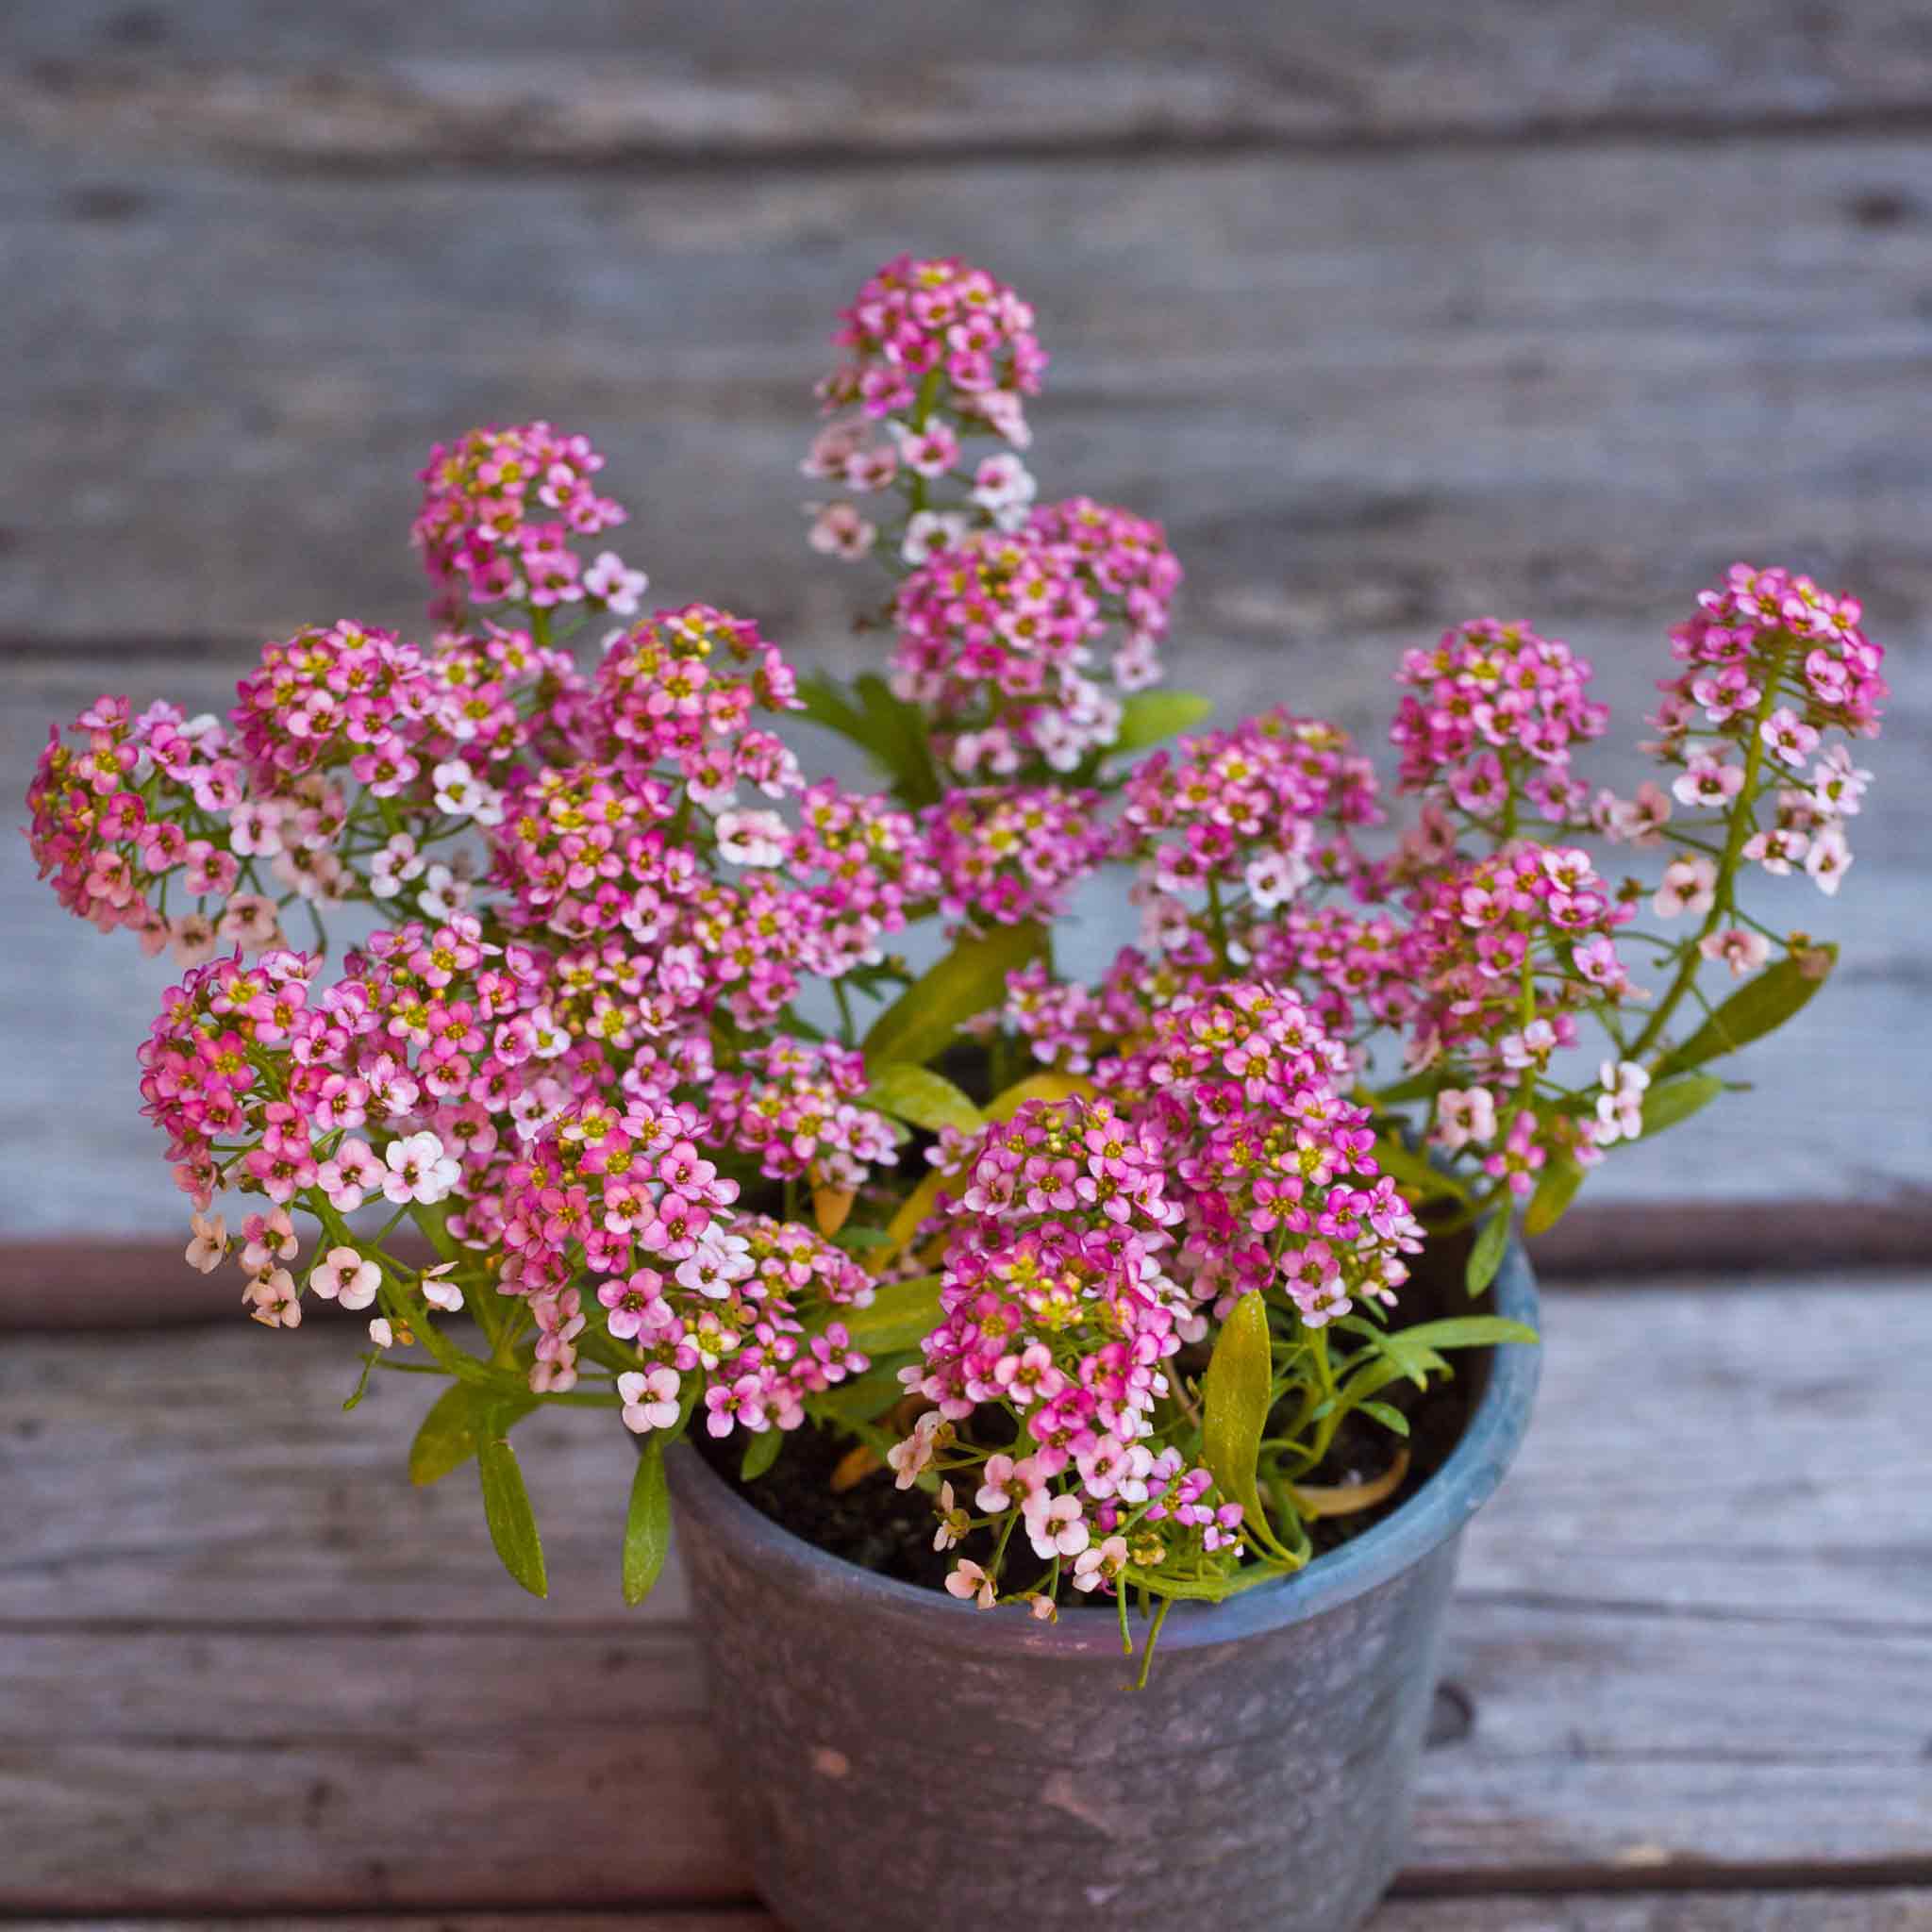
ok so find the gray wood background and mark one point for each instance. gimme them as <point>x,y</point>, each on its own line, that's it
<point>1395,314</point>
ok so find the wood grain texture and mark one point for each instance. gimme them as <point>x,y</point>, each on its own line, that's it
<point>1371,393</point>
<point>1872,1910</point>
<point>486,84</point>
<point>245,1664</point>
<point>1365,395</point>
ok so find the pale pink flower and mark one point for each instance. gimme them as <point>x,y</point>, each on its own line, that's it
<point>909,1459</point>
<point>1828,860</point>
<point>1462,1115</point>
<point>651,1399</point>
<point>211,1243</point>
<point>381,1334</point>
<point>969,1579</point>
<point>1620,1105</point>
<point>343,1275</point>
<point>351,1175</point>
<point>1740,950</point>
<point>273,1299</point>
<point>1689,885</point>
<point>1100,1564</point>
<point>615,584</point>
<point>1056,1526</point>
<point>840,529</point>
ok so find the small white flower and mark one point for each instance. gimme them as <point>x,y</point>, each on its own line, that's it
<point>440,1293</point>
<point>419,1169</point>
<point>463,796</point>
<point>753,837</point>
<point>381,1333</point>
<point>929,530</point>
<point>1275,878</point>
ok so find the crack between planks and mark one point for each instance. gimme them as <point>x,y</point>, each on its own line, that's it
<point>641,154</point>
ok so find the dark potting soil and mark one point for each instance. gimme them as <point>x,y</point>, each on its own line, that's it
<point>889,1530</point>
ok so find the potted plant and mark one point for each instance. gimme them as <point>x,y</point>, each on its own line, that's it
<point>1125,1311</point>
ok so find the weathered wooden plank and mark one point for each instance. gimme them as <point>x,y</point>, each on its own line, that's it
<point>1364,395</point>
<point>356,86</point>
<point>1733,1451</point>
<point>1874,1909</point>
<point>317,1766</point>
<point>1719,1452</point>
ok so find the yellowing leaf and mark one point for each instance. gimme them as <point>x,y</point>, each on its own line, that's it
<point>918,1095</point>
<point>1347,1499</point>
<point>925,1019</point>
<point>830,1207</point>
<point>919,1203</point>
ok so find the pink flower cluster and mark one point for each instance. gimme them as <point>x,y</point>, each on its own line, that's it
<point>1771,663</point>
<point>1492,707</point>
<point>996,638</point>
<point>1005,854</point>
<point>943,322</point>
<point>1259,810</point>
<point>500,508</point>
<point>799,1111</point>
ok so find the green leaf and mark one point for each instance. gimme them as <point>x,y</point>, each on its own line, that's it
<point>893,732</point>
<point>917,1095</point>
<point>1466,1331</point>
<point>1414,1174</point>
<point>1556,1189</point>
<point>1388,1418</point>
<point>927,1017</point>
<point>507,1507</point>
<point>854,1239</point>
<point>1755,1009</point>
<point>1678,1100</point>
<point>1236,1396</point>
<point>447,1438</point>
<point>1487,1256</point>
<point>1208,1590</point>
<point>900,1316</point>
<point>1418,1087</point>
<point>1152,717</point>
<point>647,1525</point>
<point>760,1454</point>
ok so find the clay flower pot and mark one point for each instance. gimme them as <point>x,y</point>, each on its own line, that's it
<point>903,1762</point>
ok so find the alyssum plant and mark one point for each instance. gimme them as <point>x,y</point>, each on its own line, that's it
<point>1101,1268</point>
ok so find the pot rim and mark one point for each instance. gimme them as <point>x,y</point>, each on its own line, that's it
<point>1435,1513</point>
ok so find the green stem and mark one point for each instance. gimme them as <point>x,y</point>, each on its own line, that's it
<point>1742,819</point>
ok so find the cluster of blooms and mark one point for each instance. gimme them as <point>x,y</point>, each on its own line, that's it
<point>916,319</point>
<point>500,508</point>
<point>996,636</point>
<point>1771,663</point>
<point>1508,953</point>
<point>1005,854</point>
<point>798,1110</point>
<point>1093,1237</point>
<point>1058,1318</point>
<point>1245,810</point>
<point>96,833</point>
<point>575,1055</point>
<point>1490,701</point>
<point>872,869</point>
<point>1071,1026</point>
